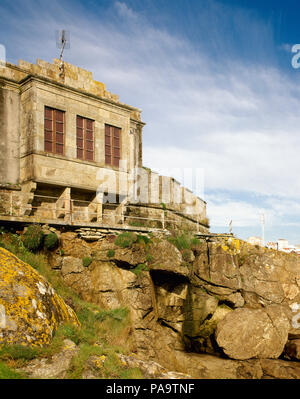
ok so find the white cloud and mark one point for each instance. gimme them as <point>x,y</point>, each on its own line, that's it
<point>238,121</point>
<point>125,11</point>
<point>241,213</point>
<point>287,47</point>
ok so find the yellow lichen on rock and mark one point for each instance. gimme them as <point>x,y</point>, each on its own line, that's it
<point>231,245</point>
<point>30,309</point>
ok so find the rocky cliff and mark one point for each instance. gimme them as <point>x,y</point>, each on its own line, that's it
<point>30,309</point>
<point>208,308</point>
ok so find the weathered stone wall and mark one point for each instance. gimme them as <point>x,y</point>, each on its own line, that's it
<point>25,90</point>
<point>10,201</point>
<point>34,86</point>
<point>165,191</point>
<point>9,134</point>
<point>158,217</point>
<point>221,309</point>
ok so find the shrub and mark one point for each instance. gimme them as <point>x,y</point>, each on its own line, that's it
<point>186,255</point>
<point>126,239</point>
<point>71,332</point>
<point>139,268</point>
<point>149,258</point>
<point>143,239</point>
<point>164,206</point>
<point>51,241</point>
<point>110,253</point>
<point>86,261</point>
<point>182,241</point>
<point>136,223</point>
<point>33,238</point>
<point>6,373</point>
<point>195,242</point>
<point>17,352</point>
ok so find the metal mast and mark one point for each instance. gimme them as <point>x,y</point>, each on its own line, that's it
<point>62,42</point>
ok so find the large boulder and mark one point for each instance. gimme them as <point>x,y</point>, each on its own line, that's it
<point>253,333</point>
<point>292,349</point>
<point>55,367</point>
<point>166,257</point>
<point>227,294</point>
<point>30,309</point>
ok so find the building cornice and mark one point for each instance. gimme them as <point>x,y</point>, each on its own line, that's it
<point>29,76</point>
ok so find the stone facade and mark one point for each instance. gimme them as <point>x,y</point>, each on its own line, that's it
<point>46,186</point>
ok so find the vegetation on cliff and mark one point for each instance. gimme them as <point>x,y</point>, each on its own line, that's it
<point>207,307</point>
<point>102,334</point>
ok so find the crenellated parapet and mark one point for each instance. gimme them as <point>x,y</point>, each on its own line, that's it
<point>63,73</point>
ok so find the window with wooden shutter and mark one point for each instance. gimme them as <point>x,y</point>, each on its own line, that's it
<point>112,145</point>
<point>54,127</point>
<point>85,138</point>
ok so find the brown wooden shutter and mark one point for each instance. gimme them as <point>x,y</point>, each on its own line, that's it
<point>48,129</point>
<point>89,139</point>
<point>112,145</point>
<point>116,146</point>
<point>79,137</point>
<point>59,132</point>
<point>85,138</point>
<point>54,130</point>
<point>108,146</point>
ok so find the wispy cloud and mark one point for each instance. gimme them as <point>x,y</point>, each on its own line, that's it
<point>206,106</point>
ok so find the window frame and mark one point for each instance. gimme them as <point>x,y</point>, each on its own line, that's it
<point>109,142</point>
<point>54,131</point>
<point>84,138</point>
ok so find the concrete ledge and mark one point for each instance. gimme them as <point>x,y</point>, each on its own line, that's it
<point>30,219</point>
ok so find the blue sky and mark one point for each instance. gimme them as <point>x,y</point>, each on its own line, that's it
<point>214,80</point>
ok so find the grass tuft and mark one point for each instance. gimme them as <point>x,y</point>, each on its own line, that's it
<point>102,332</point>
<point>125,240</point>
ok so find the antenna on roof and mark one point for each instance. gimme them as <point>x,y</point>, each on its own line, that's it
<point>62,42</point>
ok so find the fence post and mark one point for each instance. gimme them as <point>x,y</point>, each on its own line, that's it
<point>163,219</point>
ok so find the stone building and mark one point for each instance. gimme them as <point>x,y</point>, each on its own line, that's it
<point>71,153</point>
